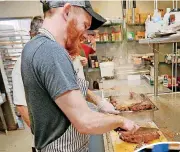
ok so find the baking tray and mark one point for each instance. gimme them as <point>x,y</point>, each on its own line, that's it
<point>154,109</point>
<point>141,115</point>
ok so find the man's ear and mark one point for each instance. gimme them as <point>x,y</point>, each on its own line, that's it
<point>66,10</point>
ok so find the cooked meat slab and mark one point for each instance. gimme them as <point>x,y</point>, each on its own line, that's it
<point>139,137</point>
<point>136,102</point>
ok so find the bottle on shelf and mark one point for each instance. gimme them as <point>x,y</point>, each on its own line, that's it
<point>96,64</point>
<point>165,81</point>
<point>148,20</point>
<point>113,36</point>
<point>92,63</point>
<point>105,36</point>
<point>97,37</point>
<point>166,18</point>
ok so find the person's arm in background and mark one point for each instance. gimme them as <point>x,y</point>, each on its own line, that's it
<point>103,105</point>
<point>18,92</point>
<point>23,110</point>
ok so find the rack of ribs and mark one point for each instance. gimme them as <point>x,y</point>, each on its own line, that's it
<point>140,102</point>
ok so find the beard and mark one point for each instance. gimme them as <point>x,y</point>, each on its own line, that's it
<point>74,35</point>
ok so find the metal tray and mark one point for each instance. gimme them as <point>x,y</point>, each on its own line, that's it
<point>146,98</point>
<point>140,116</point>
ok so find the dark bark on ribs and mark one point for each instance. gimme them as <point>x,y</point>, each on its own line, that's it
<point>139,137</point>
<point>145,105</point>
<point>142,103</point>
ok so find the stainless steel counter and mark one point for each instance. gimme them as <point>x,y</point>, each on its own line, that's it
<point>169,39</point>
<point>117,87</point>
<point>167,118</point>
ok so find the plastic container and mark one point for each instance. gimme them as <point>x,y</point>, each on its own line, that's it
<point>105,36</point>
<point>165,81</point>
<point>166,17</point>
<point>130,36</point>
<point>107,69</point>
<point>118,36</point>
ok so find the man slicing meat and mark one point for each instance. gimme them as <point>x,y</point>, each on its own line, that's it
<point>60,117</point>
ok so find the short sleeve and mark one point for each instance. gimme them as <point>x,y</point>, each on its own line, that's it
<point>54,70</point>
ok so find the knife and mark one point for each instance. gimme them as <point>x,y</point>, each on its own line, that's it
<point>149,129</point>
<point>141,129</point>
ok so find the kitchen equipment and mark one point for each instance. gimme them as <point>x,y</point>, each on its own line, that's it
<point>138,116</point>
<point>107,69</point>
<point>141,129</point>
<point>150,129</point>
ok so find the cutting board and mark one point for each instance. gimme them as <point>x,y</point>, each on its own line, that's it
<point>121,146</point>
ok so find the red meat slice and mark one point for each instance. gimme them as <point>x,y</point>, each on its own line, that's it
<point>145,105</point>
<point>139,137</point>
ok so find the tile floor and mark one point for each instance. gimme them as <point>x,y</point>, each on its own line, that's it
<point>16,141</point>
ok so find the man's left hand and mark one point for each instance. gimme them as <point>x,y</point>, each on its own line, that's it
<point>106,107</point>
<point>83,61</point>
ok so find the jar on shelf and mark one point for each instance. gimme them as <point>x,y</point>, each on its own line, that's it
<point>102,37</point>
<point>110,37</point>
<point>118,36</point>
<point>113,36</point>
<point>97,37</point>
<point>105,35</point>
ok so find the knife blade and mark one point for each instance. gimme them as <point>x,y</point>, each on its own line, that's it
<point>149,129</point>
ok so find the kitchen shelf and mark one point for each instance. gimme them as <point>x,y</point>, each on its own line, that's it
<point>93,69</point>
<point>112,24</point>
<point>132,40</point>
<point>108,42</point>
<point>11,46</point>
<point>136,24</point>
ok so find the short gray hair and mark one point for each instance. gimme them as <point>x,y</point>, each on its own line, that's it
<point>36,23</point>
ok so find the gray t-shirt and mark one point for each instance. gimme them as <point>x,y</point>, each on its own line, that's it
<point>47,72</point>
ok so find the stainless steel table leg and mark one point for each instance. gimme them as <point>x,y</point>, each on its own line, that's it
<point>156,64</point>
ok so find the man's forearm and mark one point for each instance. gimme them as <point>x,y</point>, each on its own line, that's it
<point>98,123</point>
<point>87,121</point>
<point>23,110</point>
<point>91,97</point>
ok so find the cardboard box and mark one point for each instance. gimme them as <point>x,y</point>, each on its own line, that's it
<point>130,19</point>
<point>129,16</point>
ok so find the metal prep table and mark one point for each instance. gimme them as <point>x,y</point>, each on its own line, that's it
<point>156,42</point>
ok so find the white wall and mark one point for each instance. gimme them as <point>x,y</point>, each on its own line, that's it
<point>105,8</point>
<point>20,9</point>
<point>114,9</point>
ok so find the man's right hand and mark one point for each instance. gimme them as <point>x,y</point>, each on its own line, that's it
<point>130,125</point>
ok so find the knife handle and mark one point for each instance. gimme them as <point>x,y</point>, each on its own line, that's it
<point>119,129</point>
